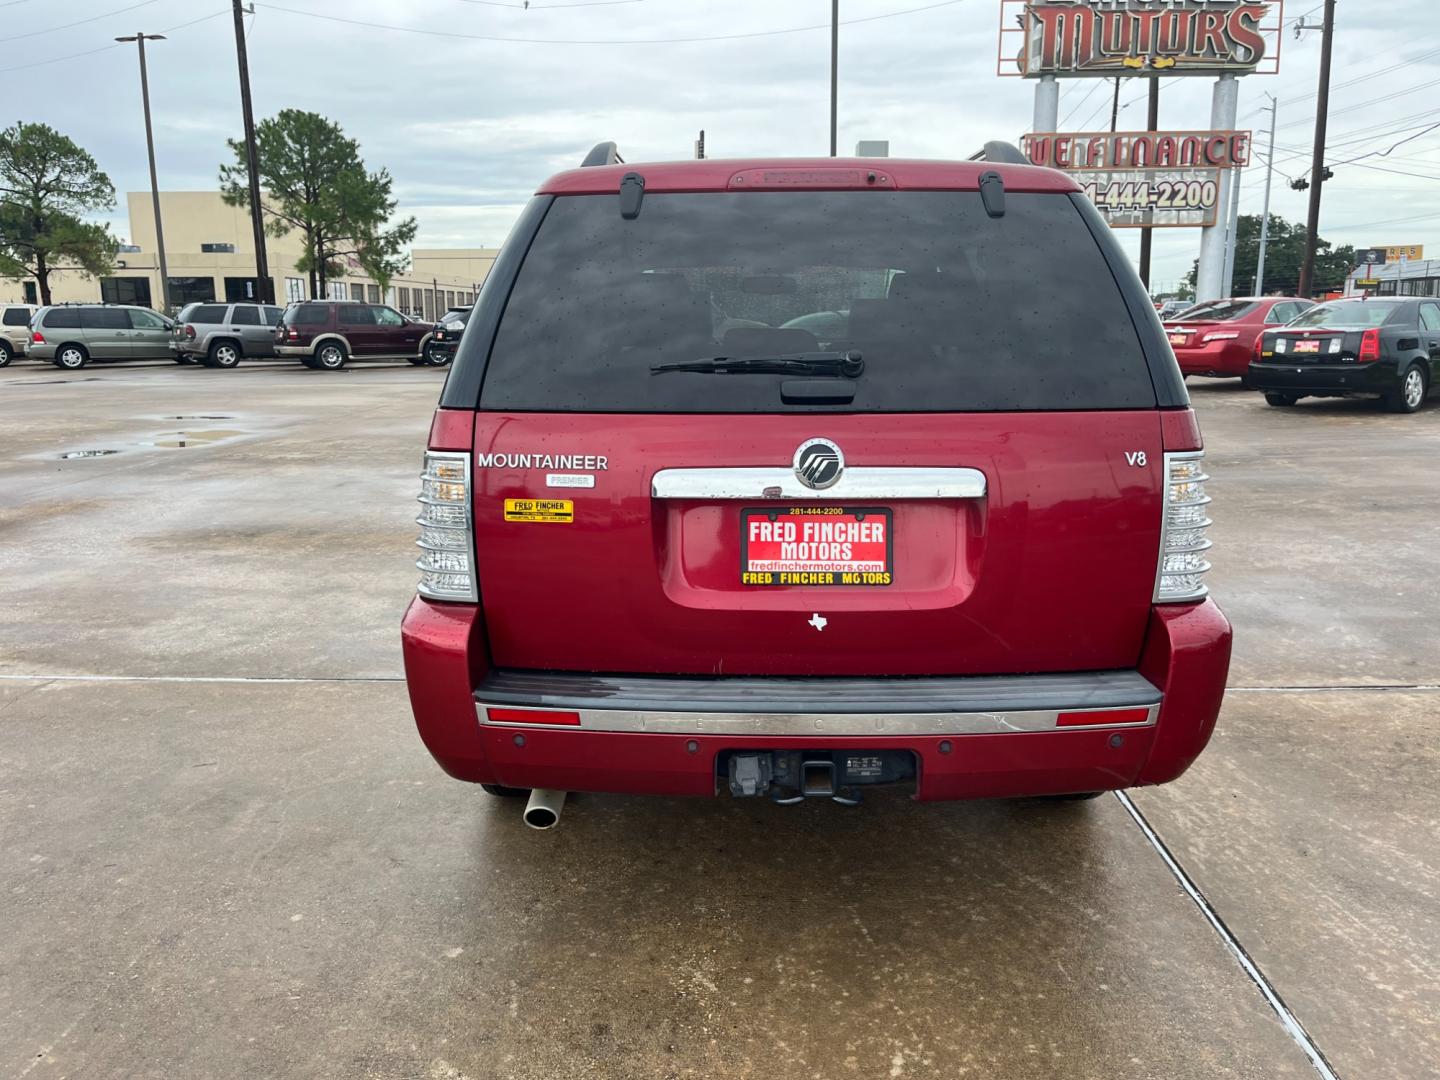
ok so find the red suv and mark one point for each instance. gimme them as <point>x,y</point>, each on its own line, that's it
<point>1217,338</point>
<point>329,333</point>
<point>678,537</point>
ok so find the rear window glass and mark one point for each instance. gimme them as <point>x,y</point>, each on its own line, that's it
<point>63,318</point>
<point>206,313</point>
<point>952,310</point>
<point>17,316</point>
<point>1351,315</point>
<point>1218,311</point>
<point>308,315</point>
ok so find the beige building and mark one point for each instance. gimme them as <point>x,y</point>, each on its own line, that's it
<point>210,255</point>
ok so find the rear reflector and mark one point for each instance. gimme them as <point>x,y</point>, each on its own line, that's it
<point>533,716</point>
<point>1101,717</point>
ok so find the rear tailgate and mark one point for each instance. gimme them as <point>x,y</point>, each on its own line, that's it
<point>1052,569</point>
<point>1005,345</point>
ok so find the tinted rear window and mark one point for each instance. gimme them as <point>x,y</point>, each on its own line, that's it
<point>17,316</point>
<point>309,315</point>
<point>1351,315</point>
<point>63,318</point>
<point>242,315</point>
<point>207,313</point>
<point>1218,311</point>
<point>952,310</point>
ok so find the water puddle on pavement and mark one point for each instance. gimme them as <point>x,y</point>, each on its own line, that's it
<point>178,440</point>
<point>167,440</point>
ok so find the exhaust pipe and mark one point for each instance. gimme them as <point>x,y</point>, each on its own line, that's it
<point>543,809</point>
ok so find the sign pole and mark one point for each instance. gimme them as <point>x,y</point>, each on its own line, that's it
<point>1209,280</point>
<point>1232,238</point>
<point>1047,104</point>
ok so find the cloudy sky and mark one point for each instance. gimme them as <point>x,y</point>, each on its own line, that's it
<point>469,103</point>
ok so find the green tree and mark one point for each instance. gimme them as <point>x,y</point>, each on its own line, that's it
<point>1284,253</point>
<point>313,181</point>
<point>46,184</point>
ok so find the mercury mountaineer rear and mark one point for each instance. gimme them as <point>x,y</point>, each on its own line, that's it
<point>784,478</point>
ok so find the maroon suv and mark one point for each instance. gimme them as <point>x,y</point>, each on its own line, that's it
<point>786,478</point>
<point>329,333</point>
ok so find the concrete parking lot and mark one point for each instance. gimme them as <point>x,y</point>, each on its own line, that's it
<point>226,853</point>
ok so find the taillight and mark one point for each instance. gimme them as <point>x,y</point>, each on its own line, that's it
<point>1259,348</point>
<point>190,331</point>
<point>37,338</point>
<point>446,563</point>
<point>1369,347</point>
<point>293,334</point>
<point>1183,540</point>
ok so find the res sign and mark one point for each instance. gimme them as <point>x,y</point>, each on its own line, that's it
<point>1105,38</point>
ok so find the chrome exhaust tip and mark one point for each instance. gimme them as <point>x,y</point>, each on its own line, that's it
<point>543,809</point>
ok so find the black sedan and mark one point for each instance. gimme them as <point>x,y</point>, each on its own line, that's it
<point>445,338</point>
<point>1387,347</point>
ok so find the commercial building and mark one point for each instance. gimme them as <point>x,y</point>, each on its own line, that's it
<point>1418,277</point>
<point>210,255</point>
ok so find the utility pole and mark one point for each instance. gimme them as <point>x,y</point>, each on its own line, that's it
<point>1147,234</point>
<point>257,214</point>
<point>1115,108</point>
<point>834,72</point>
<point>140,39</point>
<point>1317,166</point>
<point>1265,214</point>
<point>1210,278</point>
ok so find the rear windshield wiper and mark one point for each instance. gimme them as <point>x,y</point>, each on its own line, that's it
<point>840,365</point>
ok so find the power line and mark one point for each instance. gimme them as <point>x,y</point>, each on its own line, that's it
<point>453,34</point>
<point>542,7</point>
<point>80,22</point>
<point>104,48</point>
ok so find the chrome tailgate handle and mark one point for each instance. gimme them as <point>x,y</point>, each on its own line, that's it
<point>857,482</point>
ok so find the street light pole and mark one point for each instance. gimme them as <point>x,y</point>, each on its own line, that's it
<point>834,72</point>
<point>1265,214</point>
<point>257,214</point>
<point>140,39</point>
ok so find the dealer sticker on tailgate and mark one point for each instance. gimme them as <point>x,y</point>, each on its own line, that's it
<point>816,545</point>
<point>554,510</point>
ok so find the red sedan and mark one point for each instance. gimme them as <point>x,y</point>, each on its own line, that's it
<point>1217,338</point>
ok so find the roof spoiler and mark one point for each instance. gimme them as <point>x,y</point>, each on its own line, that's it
<point>1002,152</point>
<point>605,153</point>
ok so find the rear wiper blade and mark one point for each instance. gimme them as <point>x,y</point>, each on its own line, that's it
<point>840,365</point>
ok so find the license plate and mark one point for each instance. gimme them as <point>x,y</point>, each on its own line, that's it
<point>1307,346</point>
<point>1179,339</point>
<point>816,545</point>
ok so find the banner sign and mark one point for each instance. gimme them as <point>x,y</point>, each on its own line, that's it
<point>1139,150</point>
<point>1106,38</point>
<point>1155,198</point>
<point>1396,253</point>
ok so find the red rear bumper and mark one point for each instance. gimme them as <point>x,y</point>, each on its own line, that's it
<point>1186,655</point>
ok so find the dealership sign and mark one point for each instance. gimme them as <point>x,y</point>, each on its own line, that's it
<point>1139,150</point>
<point>1155,198</point>
<point>1089,38</point>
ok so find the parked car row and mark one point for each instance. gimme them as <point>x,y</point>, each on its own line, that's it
<point>322,334</point>
<point>1288,348</point>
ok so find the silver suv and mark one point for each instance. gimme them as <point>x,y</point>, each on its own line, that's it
<point>14,331</point>
<point>71,335</point>
<point>219,335</point>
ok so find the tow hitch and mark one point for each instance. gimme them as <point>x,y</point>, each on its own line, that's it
<point>792,776</point>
